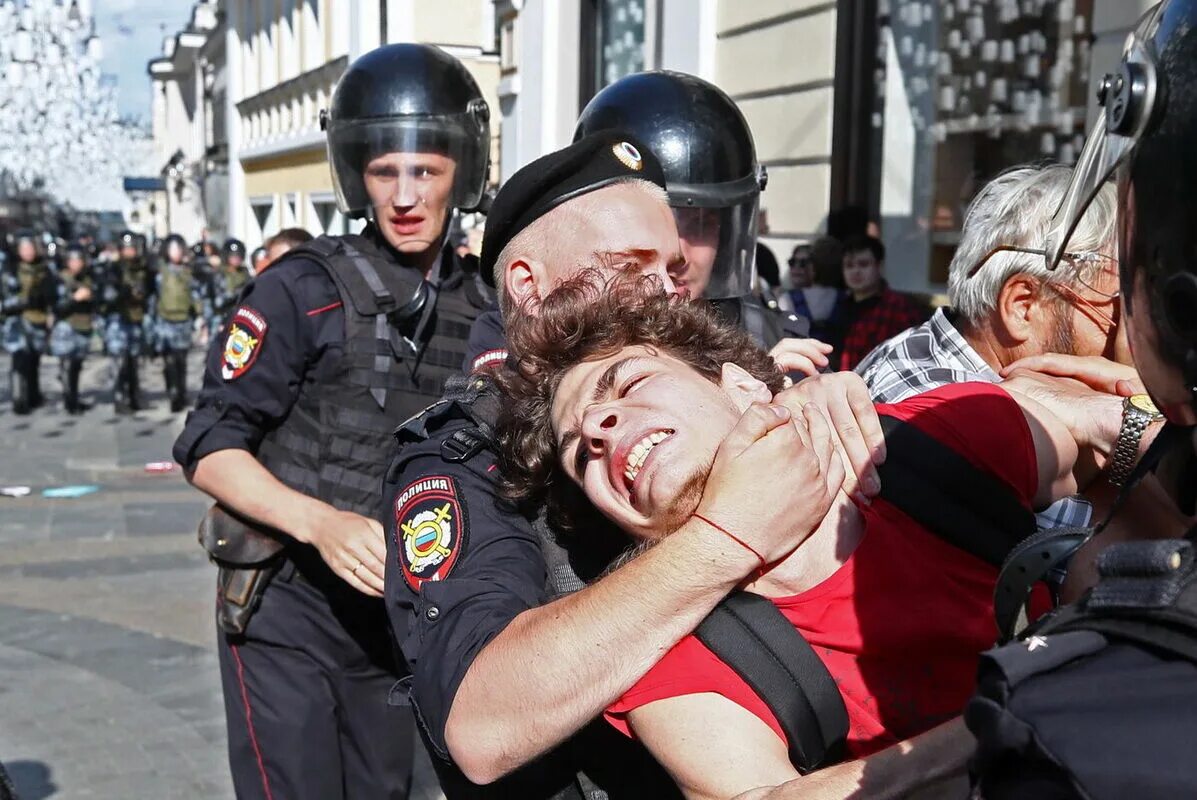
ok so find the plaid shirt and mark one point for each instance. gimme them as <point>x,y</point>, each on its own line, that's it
<point>867,323</point>
<point>935,354</point>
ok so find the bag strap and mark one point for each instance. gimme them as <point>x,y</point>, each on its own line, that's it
<point>749,634</point>
<point>947,494</point>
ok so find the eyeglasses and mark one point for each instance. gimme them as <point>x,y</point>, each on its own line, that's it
<point>1076,260</point>
<point>800,262</point>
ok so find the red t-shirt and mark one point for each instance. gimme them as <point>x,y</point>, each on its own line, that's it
<point>899,625</point>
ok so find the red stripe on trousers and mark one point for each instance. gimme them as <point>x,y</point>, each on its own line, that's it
<point>249,721</point>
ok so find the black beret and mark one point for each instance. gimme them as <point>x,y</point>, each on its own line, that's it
<point>591,163</point>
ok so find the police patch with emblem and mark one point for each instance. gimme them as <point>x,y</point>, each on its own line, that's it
<point>243,342</point>
<point>430,525</point>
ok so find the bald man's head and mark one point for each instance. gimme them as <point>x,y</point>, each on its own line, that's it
<point>625,226</point>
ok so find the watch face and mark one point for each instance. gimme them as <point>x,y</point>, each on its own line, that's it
<point>1143,403</point>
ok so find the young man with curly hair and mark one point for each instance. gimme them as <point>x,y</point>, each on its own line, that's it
<point>626,394</point>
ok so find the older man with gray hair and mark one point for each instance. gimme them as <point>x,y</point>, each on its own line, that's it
<point>1006,305</point>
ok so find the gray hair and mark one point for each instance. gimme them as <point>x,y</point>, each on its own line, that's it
<point>1015,209</point>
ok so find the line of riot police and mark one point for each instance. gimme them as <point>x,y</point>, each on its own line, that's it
<point>57,297</point>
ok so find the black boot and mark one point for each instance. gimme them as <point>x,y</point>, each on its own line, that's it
<point>19,380</point>
<point>135,399</point>
<point>64,378</point>
<point>120,385</point>
<point>74,405</point>
<point>35,387</point>
<point>178,397</point>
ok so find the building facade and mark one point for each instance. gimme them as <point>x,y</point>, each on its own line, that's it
<point>284,59</point>
<point>186,125</point>
<point>897,109</point>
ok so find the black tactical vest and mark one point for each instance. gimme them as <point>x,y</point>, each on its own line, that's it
<point>404,337</point>
<point>132,277</point>
<point>78,314</point>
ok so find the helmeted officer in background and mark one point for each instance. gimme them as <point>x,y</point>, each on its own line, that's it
<point>227,282</point>
<point>74,315</point>
<point>177,302</point>
<point>291,432</point>
<point>27,296</point>
<point>128,286</point>
<point>714,184</point>
<point>1101,700</point>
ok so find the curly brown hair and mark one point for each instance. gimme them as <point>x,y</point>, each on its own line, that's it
<point>585,318</point>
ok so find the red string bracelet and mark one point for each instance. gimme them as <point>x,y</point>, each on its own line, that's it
<point>734,538</point>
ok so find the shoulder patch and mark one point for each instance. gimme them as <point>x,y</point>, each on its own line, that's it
<point>430,529</point>
<point>491,358</point>
<point>242,343</point>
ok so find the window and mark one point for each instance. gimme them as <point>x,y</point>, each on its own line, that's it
<point>949,94</point>
<point>613,35</point>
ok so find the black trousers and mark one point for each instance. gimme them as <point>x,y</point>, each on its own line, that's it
<point>305,694</point>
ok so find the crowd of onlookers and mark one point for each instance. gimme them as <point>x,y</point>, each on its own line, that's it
<point>838,285</point>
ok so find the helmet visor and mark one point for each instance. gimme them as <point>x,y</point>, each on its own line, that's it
<point>719,245</point>
<point>407,161</point>
<point>1129,100</point>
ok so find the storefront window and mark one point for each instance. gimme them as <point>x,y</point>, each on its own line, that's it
<point>964,90</point>
<point>619,32</point>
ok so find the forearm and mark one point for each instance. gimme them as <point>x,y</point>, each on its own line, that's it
<point>933,759</point>
<point>583,651</point>
<point>236,480</point>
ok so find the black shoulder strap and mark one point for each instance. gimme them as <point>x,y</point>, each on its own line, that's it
<point>944,492</point>
<point>749,634</point>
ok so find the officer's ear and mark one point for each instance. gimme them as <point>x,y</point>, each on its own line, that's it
<point>526,281</point>
<point>742,387</point>
<point>1022,309</point>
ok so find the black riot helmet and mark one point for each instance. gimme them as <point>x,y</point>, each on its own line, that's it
<point>406,98</point>
<point>1144,139</point>
<point>129,239</point>
<point>232,247</point>
<point>173,241</point>
<point>75,250</point>
<point>711,173</point>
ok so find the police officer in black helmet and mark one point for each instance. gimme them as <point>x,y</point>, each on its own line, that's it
<point>1101,700</point>
<point>318,364</point>
<point>714,184</point>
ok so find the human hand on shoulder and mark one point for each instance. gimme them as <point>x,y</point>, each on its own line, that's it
<point>856,431</point>
<point>1092,417</point>
<point>1096,372</point>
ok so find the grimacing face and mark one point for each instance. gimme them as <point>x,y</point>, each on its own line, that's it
<point>616,228</point>
<point>638,431</point>
<point>410,195</point>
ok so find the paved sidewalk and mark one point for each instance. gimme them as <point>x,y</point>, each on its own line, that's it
<point>109,686</point>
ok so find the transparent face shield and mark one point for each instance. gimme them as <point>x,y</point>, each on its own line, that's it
<point>386,165</point>
<point>1128,98</point>
<point>719,245</point>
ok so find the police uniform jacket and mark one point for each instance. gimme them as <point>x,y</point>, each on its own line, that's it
<point>462,563</point>
<point>311,374</point>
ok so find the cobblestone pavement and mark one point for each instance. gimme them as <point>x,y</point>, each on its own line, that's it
<point>109,686</point>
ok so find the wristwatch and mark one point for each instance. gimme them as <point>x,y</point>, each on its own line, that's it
<point>1137,413</point>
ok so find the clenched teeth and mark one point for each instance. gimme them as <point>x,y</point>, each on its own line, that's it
<point>640,453</point>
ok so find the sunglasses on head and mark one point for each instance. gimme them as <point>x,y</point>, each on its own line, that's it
<point>1086,257</point>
